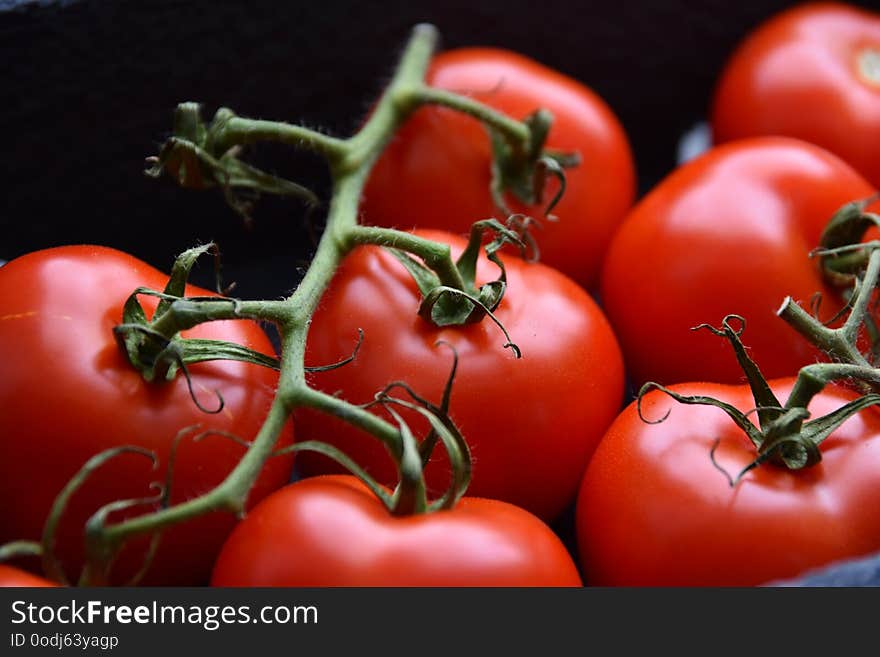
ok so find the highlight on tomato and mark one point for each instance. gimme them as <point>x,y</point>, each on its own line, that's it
<point>658,505</point>
<point>68,393</point>
<point>331,530</point>
<point>437,171</point>
<point>728,232</point>
<point>531,423</point>
<point>810,72</point>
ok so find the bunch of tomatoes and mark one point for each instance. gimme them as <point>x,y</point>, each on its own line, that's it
<point>557,433</point>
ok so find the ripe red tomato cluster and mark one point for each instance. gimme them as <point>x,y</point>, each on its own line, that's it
<point>795,117</point>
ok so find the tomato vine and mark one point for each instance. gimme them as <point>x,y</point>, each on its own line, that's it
<point>203,155</point>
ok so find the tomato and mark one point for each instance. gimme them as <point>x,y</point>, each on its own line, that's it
<point>10,576</point>
<point>728,232</point>
<point>654,511</point>
<point>436,172</point>
<point>67,392</point>
<point>531,423</point>
<point>811,72</point>
<point>332,531</point>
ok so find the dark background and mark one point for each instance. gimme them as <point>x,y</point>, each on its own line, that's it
<point>88,88</point>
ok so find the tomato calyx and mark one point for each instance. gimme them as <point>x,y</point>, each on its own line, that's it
<point>154,346</point>
<point>411,454</point>
<point>784,434</point>
<point>198,157</point>
<point>461,301</point>
<point>841,254</point>
<point>523,171</point>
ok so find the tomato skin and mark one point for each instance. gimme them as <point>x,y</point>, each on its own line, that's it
<point>798,75</point>
<point>654,511</point>
<point>728,232</point>
<point>570,376</point>
<point>68,392</point>
<point>429,179</point>
<point>332,531</point>
<point>11,576</point>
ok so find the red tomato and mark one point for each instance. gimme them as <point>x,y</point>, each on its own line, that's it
<point>436,172</point>
<point>728,232</point>
<point>10,576</point>
<point>654,511</point>
<point>67,392</point>
<point>811,72</point>
<point>531,423</point>
<point>332,531</point>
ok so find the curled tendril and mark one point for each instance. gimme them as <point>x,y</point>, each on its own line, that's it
<point>344,361</point>
<point>178,359</point>
<point>170,354</point>
<point>733,481</point>
<point>428,444</point>
<point>644,390</point>
<point>444,429</point>
<point>726,327</point>
<point>761,409</point>
<point>522,224</point>
<point>441,428</point>
<point>434,297</point>
<point>552,166</point>
<point>816,303</point>
<point>16,549</point>
<point>51,564</point>
<point>101,558</point>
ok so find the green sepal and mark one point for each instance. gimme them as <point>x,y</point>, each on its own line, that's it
<point>523,172</point>
<point>768,407</point>
<point>739,418</point>
<point>467,261</point>
<point>196,350</point>
<point>491,294</point>
<point>191,157</point>
<point>845,229</point>
<point>130,342</point>
<point>819,429</point>
<point>179,276</point>
<point>446,306</point>
<point>425,279</point>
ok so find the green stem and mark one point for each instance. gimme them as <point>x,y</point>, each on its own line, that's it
<point>514,131</point>
<point>437,256</point>
<point>184,314</point>
<point>840,343</point>
<point>237,130</point>
<point>350,163</point>
<point>864,293</point>
<point>812,379</point>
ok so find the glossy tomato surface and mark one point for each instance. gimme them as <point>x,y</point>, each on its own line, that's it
<point>811,72</point>
<point>531,423</point>
<point>332,531</point>
<point>67,393</point>
<point>654,511</point>
<point>436,172</point>
<point>728,232</point>
<point>15,577</point>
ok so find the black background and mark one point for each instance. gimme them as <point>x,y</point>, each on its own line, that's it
<point>87,90</point>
